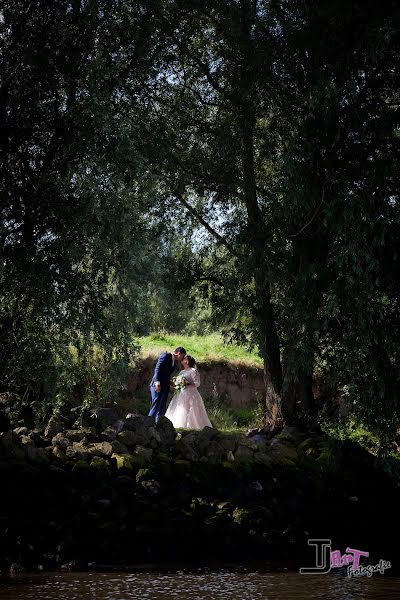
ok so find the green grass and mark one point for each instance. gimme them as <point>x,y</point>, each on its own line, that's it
<point>225,418</point>
<point>208,348</point>
<point>350,430</point>
<point>232,419</point>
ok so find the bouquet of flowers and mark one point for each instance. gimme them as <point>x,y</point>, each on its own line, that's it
<point>179,383</point>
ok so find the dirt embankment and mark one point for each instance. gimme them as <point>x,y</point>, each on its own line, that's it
<point>237,384</point>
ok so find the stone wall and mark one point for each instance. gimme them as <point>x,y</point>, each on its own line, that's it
<point>103,491</point>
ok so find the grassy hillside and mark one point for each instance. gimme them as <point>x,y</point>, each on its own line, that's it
<point>208,348</point>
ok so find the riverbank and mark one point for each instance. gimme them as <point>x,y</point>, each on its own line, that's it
<point>231,377</point>
<point>124,491</point>
<point>224,384</point>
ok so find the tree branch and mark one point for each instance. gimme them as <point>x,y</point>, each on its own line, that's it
<point>221,240</point>
<point>204,68</point>
<point>312,218</point>
<point>210,279</point>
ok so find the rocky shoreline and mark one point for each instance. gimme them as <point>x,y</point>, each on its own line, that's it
<point>112,491</point>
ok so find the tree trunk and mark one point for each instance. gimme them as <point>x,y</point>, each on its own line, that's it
<point>298,399</point>
<point>298,405</point>
<point>269,344</point>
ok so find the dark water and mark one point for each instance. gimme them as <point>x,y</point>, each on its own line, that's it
<point>189,585</point>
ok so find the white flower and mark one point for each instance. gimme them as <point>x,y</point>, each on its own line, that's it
<point>179,382</point>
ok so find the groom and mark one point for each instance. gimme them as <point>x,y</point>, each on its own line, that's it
<point>160,384</point>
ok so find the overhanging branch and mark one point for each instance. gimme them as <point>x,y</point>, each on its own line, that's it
<point>221,240</point>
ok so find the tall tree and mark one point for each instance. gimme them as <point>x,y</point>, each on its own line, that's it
<point>72,229</point>
<point>263,108</point>
<point>207,106</point>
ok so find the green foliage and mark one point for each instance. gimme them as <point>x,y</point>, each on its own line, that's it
<point>283,120</point>
<point>201,167</point>
<point>351,429</point>
<point>72,228</point>
<point>331,456</point>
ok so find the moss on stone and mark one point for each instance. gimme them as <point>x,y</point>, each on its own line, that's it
<point>98,462</point>
<point>124,461</point>
<point>79,466</point>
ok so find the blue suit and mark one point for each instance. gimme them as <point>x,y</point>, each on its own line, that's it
<point>162,373</point>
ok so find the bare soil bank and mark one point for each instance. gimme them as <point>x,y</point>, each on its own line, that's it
<point>237,384</point>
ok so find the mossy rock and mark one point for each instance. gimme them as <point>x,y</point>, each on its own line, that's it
<point>220,519</point>
<point>125,461</point>
<point>213,450</point>
<point>59,454</point>
<point>310,447</point>
<point>146,474</point>
<point>130,461</point>
<point>283,454</point>
<point>224,505</point>
<point>128,438</point>
<point>161,456</point>
<point>291,435</point>
<point>185,450</point>
<point>101,449</point>
<point>99,462</point>
<point>143,474</point>
<point>119,448</point>
<point>264,459</point>
<point>241,515</point>
<point>143,453</point>
<point>245,442</point>
<point>38,456</point>
<point>166,431</point>
<point>228,442</point>
<point>244,453</point>
<point>80,466</point>
<point>77,435</point>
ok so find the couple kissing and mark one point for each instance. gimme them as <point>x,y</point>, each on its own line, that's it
<point>186,409</point>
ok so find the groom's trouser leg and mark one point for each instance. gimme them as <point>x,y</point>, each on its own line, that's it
<point>158,403</point>
<point>154,402</point>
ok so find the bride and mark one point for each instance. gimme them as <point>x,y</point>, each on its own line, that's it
<point>186,408</point>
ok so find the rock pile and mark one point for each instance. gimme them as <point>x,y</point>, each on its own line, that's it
<point>102,490</point>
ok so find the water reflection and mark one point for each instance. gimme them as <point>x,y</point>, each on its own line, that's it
<point>218,584</point>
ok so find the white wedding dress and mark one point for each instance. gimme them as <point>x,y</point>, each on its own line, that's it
<point>186,408</point>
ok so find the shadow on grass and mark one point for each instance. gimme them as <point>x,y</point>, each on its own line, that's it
<point>222,416</point>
